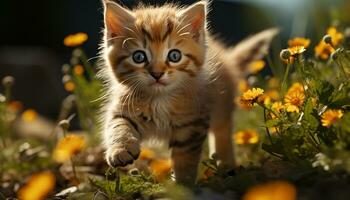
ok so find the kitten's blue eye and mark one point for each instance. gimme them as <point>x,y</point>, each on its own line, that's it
<point>174,55</point>
<point>139,57</point>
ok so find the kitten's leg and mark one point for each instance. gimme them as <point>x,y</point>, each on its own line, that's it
<point>122,141</point>
<point>223,142</point>
<point>186,153</point>
<point>221,124</point>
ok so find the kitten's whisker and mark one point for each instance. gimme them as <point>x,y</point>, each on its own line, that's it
<point>129,29</point>
<point>95,57</point>
<point>127,39</point>
<point>183,34</point>
<point>181,29</point>
<point>114,38</point>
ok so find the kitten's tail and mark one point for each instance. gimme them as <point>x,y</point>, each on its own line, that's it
<point>251,49</point>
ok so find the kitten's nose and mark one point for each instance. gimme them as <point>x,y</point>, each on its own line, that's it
<point>157,75</point>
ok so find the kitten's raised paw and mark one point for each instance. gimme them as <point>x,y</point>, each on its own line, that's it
<point>123,154</point>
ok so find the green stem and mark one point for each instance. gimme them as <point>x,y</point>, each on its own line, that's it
<point>286,73</point>
<point>267,129</point>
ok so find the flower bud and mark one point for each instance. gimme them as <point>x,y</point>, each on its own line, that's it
<point>327,39</point>
<point>65,69</point>
<point>285,54</point>
<point>335,54</point>
<point>64,124</point>
<point>8,81</point>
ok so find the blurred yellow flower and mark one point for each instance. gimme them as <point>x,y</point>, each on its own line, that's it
<point>243,104</point>
<point>147,154</point>
<point>323,50</point>
<point>330,117</point>
<point>251,96</point>
<point>278,190</point>
<point>296,50</point>
<point>336,36</point>
<point>273,94</point>
<point>294,98</point>
<point>256,66</point>
<point>277,106</point>
<point>75,39</point>
<point>38,186</point>
<point>29,115</point>
<point>78,70</point>
<point>299,41</point>
<point>273,83</point>
<point>246,137</point>
<point>67,147</point>
<point>69,86</point>
<point>243,85</point>
<point>161,168</point>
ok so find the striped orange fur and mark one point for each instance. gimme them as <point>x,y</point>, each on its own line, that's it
<point>168,79</point>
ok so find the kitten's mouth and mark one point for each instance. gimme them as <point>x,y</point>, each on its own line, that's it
<point>158,84</point>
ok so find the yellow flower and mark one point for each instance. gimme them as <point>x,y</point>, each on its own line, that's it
<point>75,39</point>
<point>277,106</point>
<point>78,70</point>
<point>161,168</point>
<point>246,137</point>
<point>277,190</point>
<point>273,94</point>
<point>69,86</point>
<point>67,147</point>
<point>323,50</point>
<point>296,50</point>
<point>336,36</point>
<point>243,104</point>
<point>243,85</point>
<point>299,41</point>
<point>147,154</point>
<point>273,83</point>
<point>29,115</point>
<point>330,117</point>
<point>294,98</point>
<point>251,96</point>
<point>38,186</point>
<point>296,86</point>
<point>256,66</point>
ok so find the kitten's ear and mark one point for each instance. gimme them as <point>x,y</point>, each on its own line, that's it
<point>116,17</point>
<point>195,15</point>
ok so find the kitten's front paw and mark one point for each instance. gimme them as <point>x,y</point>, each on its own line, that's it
<point>123,154</point>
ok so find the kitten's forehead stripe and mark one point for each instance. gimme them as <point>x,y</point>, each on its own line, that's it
<point>170,27</point>
<point>194,59</point>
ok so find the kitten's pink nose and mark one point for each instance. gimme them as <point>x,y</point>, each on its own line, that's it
<point>157,75</point>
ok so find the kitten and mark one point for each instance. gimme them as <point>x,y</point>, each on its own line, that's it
<point>169,79</point>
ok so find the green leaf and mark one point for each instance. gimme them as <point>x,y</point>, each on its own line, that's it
<point>324,90</point>
<point>272,122</point>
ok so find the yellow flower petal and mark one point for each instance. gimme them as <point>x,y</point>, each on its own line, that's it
<point>69,86</point>
<point>278,190</point>
<point>298,41</point>
<point>256,66</point>
<point>246,137</point>
<point>330,117</point>
<point>78,70</point>
<point>38,186</point>
<point>161,168</point>
<point>75,39</point>
<point>68,147</point>
<point>147,154</point>
<point>29,115</point>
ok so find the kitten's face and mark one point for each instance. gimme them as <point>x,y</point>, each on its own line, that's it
<point>156,49</point>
